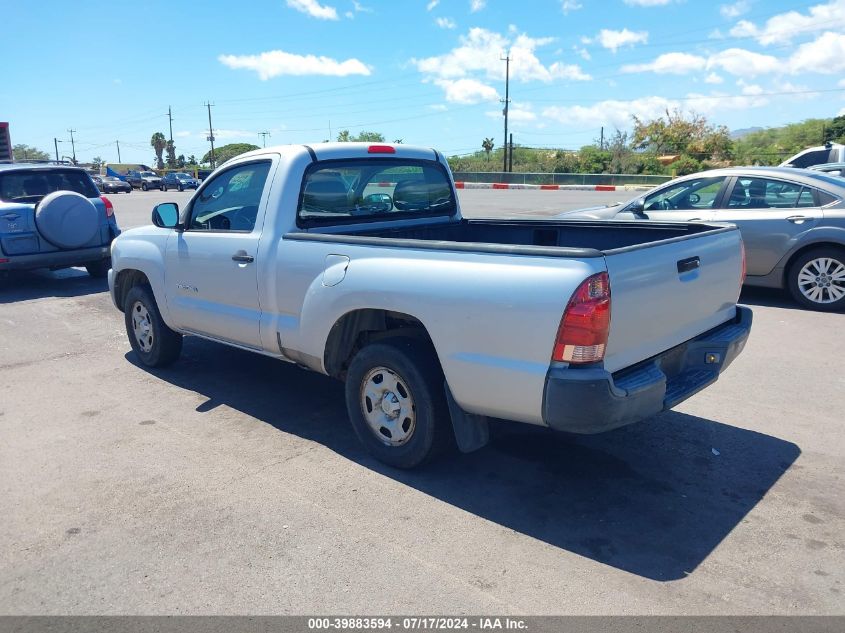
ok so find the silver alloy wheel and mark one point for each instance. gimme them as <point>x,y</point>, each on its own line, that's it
<point>388,406</point>
<point>822,280</point>
<point>142,326</point>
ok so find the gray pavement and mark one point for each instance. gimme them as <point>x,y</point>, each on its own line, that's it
<point>232,483</point>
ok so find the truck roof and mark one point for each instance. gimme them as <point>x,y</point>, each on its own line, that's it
<point>336,151</point>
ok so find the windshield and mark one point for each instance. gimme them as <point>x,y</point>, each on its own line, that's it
<point>111,179</point>
<point>370,189</point>
<point>182,176</point>
<point>31,186</point>
<point>147,173</point>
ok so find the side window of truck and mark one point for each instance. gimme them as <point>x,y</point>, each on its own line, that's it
<point>229,202</point>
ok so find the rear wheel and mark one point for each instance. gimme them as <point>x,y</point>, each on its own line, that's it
<point>143,186</point>
<point>99,269</point>
<point>181,188</point>
<point>155,344</point>
<point>817,279</point>
<point>396,402</point>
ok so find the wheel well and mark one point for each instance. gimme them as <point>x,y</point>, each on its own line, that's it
<point>125,281</point>
<point>834,245</point>
<point>358,328</point>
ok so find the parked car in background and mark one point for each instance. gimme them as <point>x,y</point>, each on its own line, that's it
<point>834,169</point>
<point>111,184</point>
<point>97,181</point>
<point>180,181</point>
<point>353,260</point>
<point>54,217</point>
<point>827,153</point>
<point>792,223</point>
<point>144,180</point>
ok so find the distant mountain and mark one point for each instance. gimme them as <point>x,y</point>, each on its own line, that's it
<point>735,134</point>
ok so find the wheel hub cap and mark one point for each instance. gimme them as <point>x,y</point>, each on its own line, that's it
<point>822,280</point>
<point>388,406</point>
<point>142,326</point>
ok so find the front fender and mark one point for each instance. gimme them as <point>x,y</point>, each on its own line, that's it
<point>143,250</point>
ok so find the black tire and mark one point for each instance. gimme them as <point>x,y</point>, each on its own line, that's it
<point>822,283</point>
<point>143,186</point>
<point>166,345</point>
<point>99,269</point>
<point>419,375</point>
<point>181,188</point>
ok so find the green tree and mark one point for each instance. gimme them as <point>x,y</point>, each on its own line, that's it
<point>363,137</point>
<point>180,161</point>
<point>158,142</point>
<point>96,163</point>
<point>677,134</point>
<point>487,146</point>
<point>592,160</point>
<point>772,145</point>
<point>27,152</point>
<point>192,160</point>
<point>224,153</point>
<point>835,132</point>
<point>171,154</point>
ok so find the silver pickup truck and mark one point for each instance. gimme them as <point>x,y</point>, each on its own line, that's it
<point>353,260</point>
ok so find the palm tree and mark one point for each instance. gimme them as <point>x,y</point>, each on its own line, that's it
<point>158,143</point>
<point>487,146</point>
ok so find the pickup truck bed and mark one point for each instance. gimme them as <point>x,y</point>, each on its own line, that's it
<point>351,259</point>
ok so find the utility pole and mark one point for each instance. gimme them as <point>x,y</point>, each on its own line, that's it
<point>210,133</point>
<point>507,60</point>
<point>264,136</point>
<point>510,154</point>
<point>73,146</point>
<point>118,151</point>
<point>601,142</point>
<point>56,144</point>
<point>170,119</point>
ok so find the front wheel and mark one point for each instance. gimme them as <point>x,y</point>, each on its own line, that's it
<point>155,344</point>
<point>144,187</point>
<point>817,279</point>
<point>397,403</point>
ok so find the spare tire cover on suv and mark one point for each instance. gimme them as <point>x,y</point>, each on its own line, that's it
<point>67,219</point>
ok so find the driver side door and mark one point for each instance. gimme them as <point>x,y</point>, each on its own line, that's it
<point>211,280</point>
<point>688,200</point>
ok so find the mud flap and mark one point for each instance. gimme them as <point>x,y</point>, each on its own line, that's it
<point>471,431</point>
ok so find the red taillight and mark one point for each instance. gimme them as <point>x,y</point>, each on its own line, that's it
<point>381,149</point>
<point>109,206</point>
<point>582,335</point>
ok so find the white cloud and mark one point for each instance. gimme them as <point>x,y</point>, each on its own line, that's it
<point>438,107</point>
<point>314,9</point>
<point>477,5</point>
<point>517,113</point>
<point>480,51</point>
<point>730,11</point>
<point>614,40</point>
<point>744,63</point>
<point>715,34</point>
<point>713,78</point>
<point>841,112</point>
<point>360,8</point>
<point>583,52</point>
<point>274,63</point>
<point>647,3</point>
<point>349,15</point>
<point>610,112</point>
<point>841,83</point>
<point>825,55</point>
<point>782,28</point>
<point>445,23</point>
<point>669,63</point>
<point>182,134</point>
<point>570,5</point>
<point>743,28</point>
<point>431,5</point>
<point>467,91</point>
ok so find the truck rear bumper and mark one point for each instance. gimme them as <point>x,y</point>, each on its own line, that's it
<point>56,259</point>
<point>592,400</point>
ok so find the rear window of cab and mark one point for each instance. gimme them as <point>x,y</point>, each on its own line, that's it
<point>362,190</point>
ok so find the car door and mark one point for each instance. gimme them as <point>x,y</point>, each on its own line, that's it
<point>211,281</point>
<point>771,214</point>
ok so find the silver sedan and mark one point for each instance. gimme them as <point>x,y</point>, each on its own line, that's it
<point>792,222</point>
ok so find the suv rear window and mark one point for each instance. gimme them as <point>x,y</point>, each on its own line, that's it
<point>32,185</point>
<point>361,190</point>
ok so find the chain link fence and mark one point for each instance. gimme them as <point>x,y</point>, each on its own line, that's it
<point>514,178</point>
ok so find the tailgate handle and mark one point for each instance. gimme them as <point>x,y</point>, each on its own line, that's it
<point>686,265</point>
<point>11,216</point>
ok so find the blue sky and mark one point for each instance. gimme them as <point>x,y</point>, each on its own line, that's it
<point>424,71</point>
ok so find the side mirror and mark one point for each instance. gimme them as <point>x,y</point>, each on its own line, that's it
<point>638,207</point>
<point>166,215</point>
<point>379,202</point>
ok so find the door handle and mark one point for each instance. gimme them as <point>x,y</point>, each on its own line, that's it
<point>686,265</point>
<point>797,219</point>
<point>243,258</point>
<point>694,220</point>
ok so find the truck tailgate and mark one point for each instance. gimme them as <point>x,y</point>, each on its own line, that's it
<point>665,293</point>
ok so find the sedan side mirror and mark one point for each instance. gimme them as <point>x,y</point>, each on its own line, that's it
<point>638,207</point>
<point>166,215</point>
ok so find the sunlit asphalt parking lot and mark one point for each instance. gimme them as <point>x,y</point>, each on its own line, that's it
<point>233,483</point>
